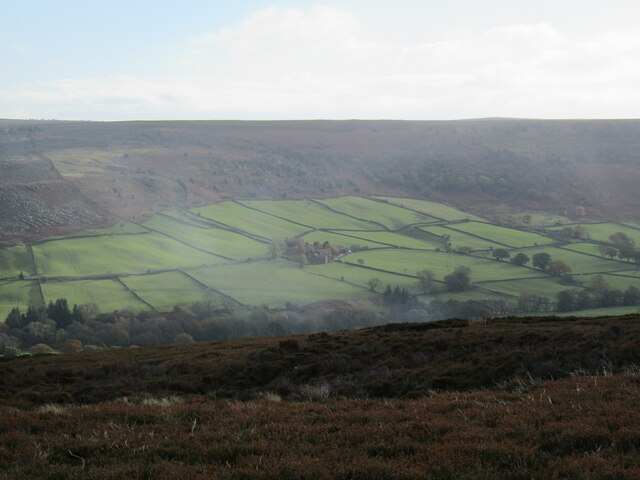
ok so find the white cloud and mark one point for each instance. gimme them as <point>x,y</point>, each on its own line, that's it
<point>319,63</point>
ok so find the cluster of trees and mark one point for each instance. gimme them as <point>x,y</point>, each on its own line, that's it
<point>622,246</point>
<point>599,293</point>
<point>42,329</point>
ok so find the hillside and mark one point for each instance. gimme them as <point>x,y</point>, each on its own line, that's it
<point>539,398</point>
<point>62,176</point>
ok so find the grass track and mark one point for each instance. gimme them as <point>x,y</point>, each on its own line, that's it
<point>274,283</point>
<point>117,254</point>
<point>390,216</point>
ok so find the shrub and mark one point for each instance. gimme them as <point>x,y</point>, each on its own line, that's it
<point>40,348</point>
<point>71,346</point>
<point>183,339</point>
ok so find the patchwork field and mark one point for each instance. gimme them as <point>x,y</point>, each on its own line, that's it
<point>14,260</point>
<point>166,290</point>
<point>214,240</point>
<point>410,262</point>
<point>251,221</point>
<point>274,283</point>
<point>180,256</point>
<point>392,217</point>
<point>602,231</point>
<point>433,209</point>
<point>459,239</point>
<point>116,254</point>
<point>18,294</point>
<point>108,294</point>
<point>312,214</point>
<point>502,235</point>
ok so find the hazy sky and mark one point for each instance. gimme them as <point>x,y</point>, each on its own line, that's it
<point>197,59</point>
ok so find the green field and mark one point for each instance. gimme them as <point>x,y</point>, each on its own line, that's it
<point>14,260</point>
<point>433,209</point>
<point>579,262</point>
<point>312,214</point>
<point>108,294</point>
<point>602,231</point>
<point>79,162</point>
<point>395,239</point>
<point>411,261</point>
<point>274,283</point>
<point>616,281</point>
<point>390,216</point>
<point>543,287</point>
<point>215,240</point>
<point>459,239</point>
<point>339,239</point>
<point>506,236</point>
<point>18,294</point>
<point>247,220</point>
<point>360,276</point>
<point>166,290</point>
<point>225,246</point>
<point>115,254</point>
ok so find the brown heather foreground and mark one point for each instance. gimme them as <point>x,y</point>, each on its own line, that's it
<point>574,428</point>
<point>514,399</point>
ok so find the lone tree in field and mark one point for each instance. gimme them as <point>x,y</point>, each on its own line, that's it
<point>520,259</point>
<point>500,254</point>
<point>541,260</point>
<point>373,283</point>
<point>426,280</point>
<point>460,279</point>
<point>620,239</point>
<point>559,268</point>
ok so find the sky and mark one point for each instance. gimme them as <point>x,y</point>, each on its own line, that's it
<point>253,59</point>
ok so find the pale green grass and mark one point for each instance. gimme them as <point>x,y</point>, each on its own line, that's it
<point>434,209</point>
<point>544,287</point>
<point>338,239</point>
<point>166,290</point>
<point>81,162</point>
<point>360,276</point>
<point>507,236</point>
<point>602,231</point>
<point>109,295</point>
<point>459,239</point>
<point>390,216</point>
<point>312,214</point>
<point>216,240</point>
<point>116,254</point>
<point>245,219</point>
<point>411,261</point>
<point>397,240</point>
<point>579,262</point>
<point>18,294</point>
<point>274,283</point>
<point>14,260</point>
